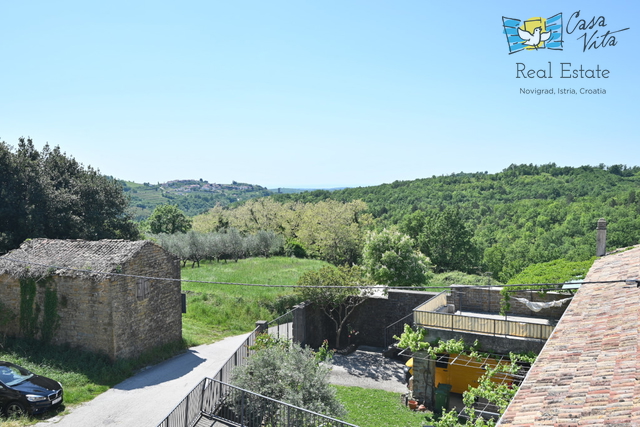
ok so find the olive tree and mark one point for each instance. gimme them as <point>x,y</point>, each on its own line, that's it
<point>336,291</point>
<point>290,374</point>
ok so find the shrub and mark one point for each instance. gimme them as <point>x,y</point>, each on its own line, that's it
<point>557,271</point>
<point>290,375</point>
<point>294,248</point>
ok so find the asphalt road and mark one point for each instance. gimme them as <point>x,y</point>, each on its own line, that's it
<point>147,398</point>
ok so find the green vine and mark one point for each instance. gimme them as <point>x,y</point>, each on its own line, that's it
<point>30,310</point>
<point>50,319</point>
<point>497,393</point>
<point>415,341</point>
<point>505,304</point>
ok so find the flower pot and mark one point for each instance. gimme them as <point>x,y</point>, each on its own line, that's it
<point>413,405</point>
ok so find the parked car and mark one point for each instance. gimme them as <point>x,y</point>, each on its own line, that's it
<point>22,391</point>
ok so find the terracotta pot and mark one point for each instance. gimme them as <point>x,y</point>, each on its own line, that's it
<point>413,404</point>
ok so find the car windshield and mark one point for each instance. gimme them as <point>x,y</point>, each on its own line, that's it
<point>13,374</point>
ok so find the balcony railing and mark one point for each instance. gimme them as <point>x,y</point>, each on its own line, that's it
<point>427,316</point>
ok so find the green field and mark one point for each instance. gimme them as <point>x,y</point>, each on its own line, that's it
<point>217,311</point>
<point>214,312</point>
<point>377,408</point>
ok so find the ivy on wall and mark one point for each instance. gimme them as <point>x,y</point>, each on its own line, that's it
<point>30,310</point>
<point>50,319</point>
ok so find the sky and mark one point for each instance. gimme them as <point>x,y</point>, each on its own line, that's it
<point>315,94</point>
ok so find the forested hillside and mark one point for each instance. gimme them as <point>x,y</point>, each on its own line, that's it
<point>523,215</point>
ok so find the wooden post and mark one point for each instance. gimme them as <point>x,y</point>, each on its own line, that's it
<point>424,374</point>
<point>601,237</point>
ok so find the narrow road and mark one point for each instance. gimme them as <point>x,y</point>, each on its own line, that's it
<point>147,398</point>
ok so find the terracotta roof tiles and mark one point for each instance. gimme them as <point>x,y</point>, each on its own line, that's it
<point>588,372</point>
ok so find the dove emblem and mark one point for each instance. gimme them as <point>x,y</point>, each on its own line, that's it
<point>533,39</point>
<point>533,33</point>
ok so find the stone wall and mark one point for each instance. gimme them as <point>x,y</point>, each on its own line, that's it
<point>370,319</point>
<point>488,300</point>
<point>109,315</point>
<point>153,318</point>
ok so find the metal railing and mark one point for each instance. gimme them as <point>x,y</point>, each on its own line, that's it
<point>282,327</point>
<point>184,414</point>
<point>227,402</point>
<point>215,400</point>
<point>482,325</point>
<point>238,358</point>
<point>396,329</point>
<point>188,412</point>
<point>434,303</point>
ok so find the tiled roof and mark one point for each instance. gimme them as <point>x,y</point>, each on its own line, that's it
<point>588,372</point>
<point>94,256</point>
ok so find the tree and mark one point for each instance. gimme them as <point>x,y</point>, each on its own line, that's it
<point>390,259</point>
<point>337,291</point>
<point>47,194</point>
<point>334,231</point>
<point>330,230</point>
<point>168,219</point>
<point>446,240</point>
<point>289,374</point>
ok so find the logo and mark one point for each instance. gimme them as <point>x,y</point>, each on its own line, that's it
<point>533,33</point>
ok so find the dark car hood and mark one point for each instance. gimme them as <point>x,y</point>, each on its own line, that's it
<point>38,385</point>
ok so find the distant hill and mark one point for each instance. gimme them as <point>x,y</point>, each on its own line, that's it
<point>301,190</point>
<point>524,215</point>
<point>192,196</point>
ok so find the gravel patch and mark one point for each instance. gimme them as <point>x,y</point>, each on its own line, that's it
<point>368,368</point>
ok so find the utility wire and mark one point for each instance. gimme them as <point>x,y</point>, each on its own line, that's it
<point>135,276</point>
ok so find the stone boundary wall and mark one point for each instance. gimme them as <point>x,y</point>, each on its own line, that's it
<point>312,326</point>
<point>488,300</point>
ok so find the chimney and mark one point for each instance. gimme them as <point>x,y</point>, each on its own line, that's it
<point>601,237</point>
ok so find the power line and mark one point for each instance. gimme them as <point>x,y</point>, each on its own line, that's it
<point>135,276</point>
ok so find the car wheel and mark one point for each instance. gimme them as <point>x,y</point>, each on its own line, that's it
<point>14,409</point>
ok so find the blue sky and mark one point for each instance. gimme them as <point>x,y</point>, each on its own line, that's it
<point>310,93</point>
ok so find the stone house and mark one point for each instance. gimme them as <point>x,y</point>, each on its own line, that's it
<point>97,295</point>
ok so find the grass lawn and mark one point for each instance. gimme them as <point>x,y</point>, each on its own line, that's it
<point>83,375</point>
<point>218,311</point>
<point>377,408</point>
<point>214,312</point>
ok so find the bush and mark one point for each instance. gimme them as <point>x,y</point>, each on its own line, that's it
<point>290,375</point>
<point>460,278</point>
<point>557,271</point>
<point>294,248</point>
